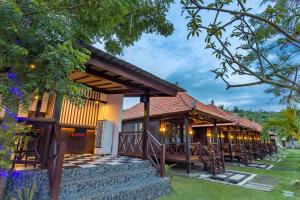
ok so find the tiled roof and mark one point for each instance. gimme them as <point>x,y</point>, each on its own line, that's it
<point>239,121</point>
<point>182,102</point>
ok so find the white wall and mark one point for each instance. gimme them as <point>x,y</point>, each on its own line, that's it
<point>112,111</point>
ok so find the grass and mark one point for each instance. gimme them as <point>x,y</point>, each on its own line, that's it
<point>285,172</point>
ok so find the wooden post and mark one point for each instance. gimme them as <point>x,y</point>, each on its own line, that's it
<point>216,134</point>
<point>57,107</point>
<point>187,144</point>
<point>146,101</point>
<point>181,133</point>
<point>162,161</point>
<point>229,144</point>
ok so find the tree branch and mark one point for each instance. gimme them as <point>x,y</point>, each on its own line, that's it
<point>290,37</point>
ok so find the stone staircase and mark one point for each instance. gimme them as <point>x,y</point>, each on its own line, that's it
<point>126,181</point>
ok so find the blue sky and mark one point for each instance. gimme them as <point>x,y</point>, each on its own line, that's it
<point>177,59</point>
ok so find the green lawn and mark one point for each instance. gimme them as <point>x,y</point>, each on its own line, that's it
<point>285,171</point>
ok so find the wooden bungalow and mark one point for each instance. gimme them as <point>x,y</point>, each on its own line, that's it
<point>171,122</point>
<point>93,128</point>
<point>239,139</point>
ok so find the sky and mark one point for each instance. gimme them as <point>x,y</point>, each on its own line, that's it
<point>187,62</point>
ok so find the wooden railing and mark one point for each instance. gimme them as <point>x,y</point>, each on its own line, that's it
<point>131,144</point>
<point>156,154</point>
<point>243,153</point>
<point>55,163</point>
<point>212,158</point>
<point>45,147</point>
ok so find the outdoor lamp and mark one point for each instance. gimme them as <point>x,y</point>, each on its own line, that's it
<point>32,66</point>
<point>36,97</point>
<point>208,135</point>
<point>163,129</point>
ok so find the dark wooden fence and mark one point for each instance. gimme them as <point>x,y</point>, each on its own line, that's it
<point>44,145</point>
<point>131,144</point>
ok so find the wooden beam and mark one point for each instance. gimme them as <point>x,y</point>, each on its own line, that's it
<point>113,79</point>
<point>216,134</point>
<point>57,107</point>
<point>102,84</point>
<point>116,87</point>
<point>146,101</point>
<point>133,75</point>
<point>94,81</point>
<point>187,144</point>
<point>83,77</point>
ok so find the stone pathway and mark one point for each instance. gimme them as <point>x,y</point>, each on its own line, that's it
<point>254,165</point>
<point>263,183</point>
<point>229,177</point>
<point>288,193</point>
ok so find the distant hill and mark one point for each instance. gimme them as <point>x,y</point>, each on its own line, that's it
<point>257,116</point>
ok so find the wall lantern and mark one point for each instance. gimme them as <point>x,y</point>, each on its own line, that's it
<point>32,66</point>
<point>191,132</point>
<point>208,135</point>
<point>162,128</point>
<point>231,137</point>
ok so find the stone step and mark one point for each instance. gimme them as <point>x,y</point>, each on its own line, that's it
<point>258,187</point>
<point>70,174</point>
<point>260,184</point>
<point>18,180</point>
<point>100,182</point>
<point>147,189</point>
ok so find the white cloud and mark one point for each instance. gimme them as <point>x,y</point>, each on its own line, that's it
<point>177,59</point>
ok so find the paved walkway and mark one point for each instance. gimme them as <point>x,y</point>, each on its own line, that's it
<point>263,183</point>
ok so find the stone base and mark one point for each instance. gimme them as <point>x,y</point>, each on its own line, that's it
<point>136,179</point>
<point>3,181</point>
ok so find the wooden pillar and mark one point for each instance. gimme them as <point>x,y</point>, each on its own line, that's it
<point>187,144</point>
<point>181,133</point>
<point>229,144</point>
<point>146,101</point>
<point>216,134</point>
<point>57,107</point>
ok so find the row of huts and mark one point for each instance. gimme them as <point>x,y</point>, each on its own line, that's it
<point>194,132</point>
<point>167,126</point>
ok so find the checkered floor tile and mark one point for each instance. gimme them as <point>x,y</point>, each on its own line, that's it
<point>86,161</point>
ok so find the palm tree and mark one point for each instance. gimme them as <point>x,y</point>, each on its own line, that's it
<point>287,123</point>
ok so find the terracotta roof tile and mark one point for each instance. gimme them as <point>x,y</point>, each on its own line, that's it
<point>240,121</point>
<point>182,102</point>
